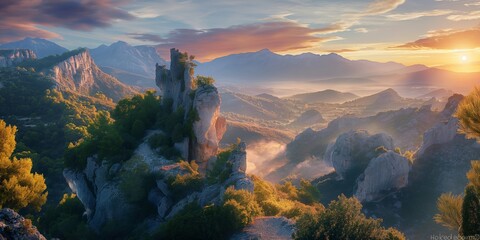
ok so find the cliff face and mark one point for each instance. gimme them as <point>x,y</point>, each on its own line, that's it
<point>178,84</point>
<point>10,58</point>
<point>80,74</point>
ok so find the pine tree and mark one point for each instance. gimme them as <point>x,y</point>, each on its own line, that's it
<point>19,188</point>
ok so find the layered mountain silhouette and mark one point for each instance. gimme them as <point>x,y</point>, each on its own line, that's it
<point>40,47</point>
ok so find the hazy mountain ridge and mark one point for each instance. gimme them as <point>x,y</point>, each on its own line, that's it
<point>136,60</point>
<point>41,47</point>
<point>326,96</point>
<point>265,65</point>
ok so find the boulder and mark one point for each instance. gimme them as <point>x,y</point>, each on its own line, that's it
<point>354,149</point>
<point>77,182</point>
<point>388,172</point>
<point>15,227</point>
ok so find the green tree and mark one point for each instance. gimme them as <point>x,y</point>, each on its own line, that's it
<point>450,208</point>
<point>343,219</point>
<point>19,188</point>
<point>471,212</point>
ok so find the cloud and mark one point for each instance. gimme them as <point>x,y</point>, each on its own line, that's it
<point>415,15</point>
<point>22,18</point>
<point>147,37</point>
<point>465,16</point>
<point>208,44</point>
<point>472,4</point>
<point>449,39</point>
<point>382,6</point>
<point>361,30</point>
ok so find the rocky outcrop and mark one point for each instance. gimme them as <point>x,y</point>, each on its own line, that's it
<point>15,227</point>
<point>179,85</point>
<point>354,149</point>
<point>385,173</point>
<point>12,57</point>
<point>445,130</point>
<point>100,186</point>
<point>80,74</point>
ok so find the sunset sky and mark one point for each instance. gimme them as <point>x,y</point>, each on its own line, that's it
<point>433,32</point>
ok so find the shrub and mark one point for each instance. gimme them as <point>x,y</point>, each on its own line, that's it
<point>450,208</point>
<point>182,185</point>
<point>204,81</point>
<point>342,219</point>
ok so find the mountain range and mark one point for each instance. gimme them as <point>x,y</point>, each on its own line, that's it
<point>134,65</point>
<point>40,47</point>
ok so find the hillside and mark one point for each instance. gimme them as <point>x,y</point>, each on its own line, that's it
<point>76,71</point>
<point>326,96</point>
<point>40,47</point>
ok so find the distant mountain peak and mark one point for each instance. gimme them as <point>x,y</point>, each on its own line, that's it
<point>41,47</point>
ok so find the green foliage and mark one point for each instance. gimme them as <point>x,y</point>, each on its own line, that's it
<point>212,222</point>
<point>308,193</point>
<point>201,81</point>
<point>19,188</point>
<point>343,219</point>
<point>183,184</point>
<point>450,208</point>
<point>115,137</point>
<point>50,61</point>
<point>136,182</point>
<point>221,168</point>
<point>471,212</point>
<point>65,221</point>
<point>164,146</point>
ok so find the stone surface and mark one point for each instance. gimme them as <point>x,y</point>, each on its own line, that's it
<point>15,227</point>
<point>177,84</point>
<point>354,149</point>
<point>79,73</point>
<point>386,173</point>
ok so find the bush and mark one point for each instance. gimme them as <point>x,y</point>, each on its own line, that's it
<point>343,219</point>
<point>182,185</point>
<point>204,81</point>
<point>212,222</point>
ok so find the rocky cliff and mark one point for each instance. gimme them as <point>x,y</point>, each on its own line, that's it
<point>365,166</point>
<point>80,74</point>
<point>15,227</point>
<point>11,57</point>
<point>385,173</point>
<point>179,85</point>
<point>100,186</point>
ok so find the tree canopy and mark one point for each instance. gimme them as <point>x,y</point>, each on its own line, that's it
<point>19,188</point>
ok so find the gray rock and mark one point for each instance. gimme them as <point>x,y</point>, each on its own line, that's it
<point>15,227</point>
<point>354,149</point>
<point>79,185</point>
<point>388,172</point>
<point>163,187</point>
<point>110,205</point>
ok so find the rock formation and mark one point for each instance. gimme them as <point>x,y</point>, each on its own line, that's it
<point>445,130</point>
<point>80,74</point>
<point>15,227</point>
<point>99,185</point>
<point>387,172</point>
<point>354,149</point>
<point>10,58</point>
<point>179,85</point>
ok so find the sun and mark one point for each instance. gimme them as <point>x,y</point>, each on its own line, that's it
<point>463,58</point>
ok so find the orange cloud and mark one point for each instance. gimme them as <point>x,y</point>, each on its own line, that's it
<point>208,44</point>
<point>466,39</point>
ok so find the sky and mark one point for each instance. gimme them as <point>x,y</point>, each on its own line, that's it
<point>442,33</point>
